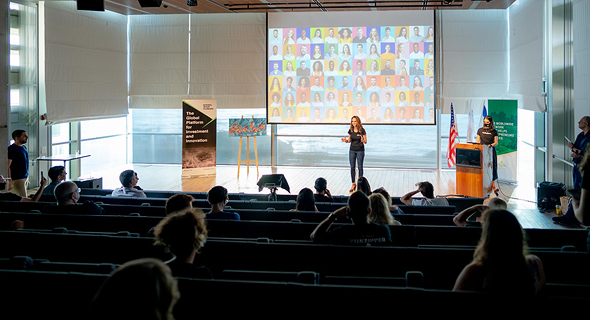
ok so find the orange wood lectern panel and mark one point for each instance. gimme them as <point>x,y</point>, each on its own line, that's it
<point>474,178</point>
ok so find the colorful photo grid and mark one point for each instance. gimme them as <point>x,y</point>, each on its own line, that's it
<point>383,74</point>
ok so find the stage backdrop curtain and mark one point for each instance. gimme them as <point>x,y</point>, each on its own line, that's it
<point>85,63</point>
<point>223,57</point>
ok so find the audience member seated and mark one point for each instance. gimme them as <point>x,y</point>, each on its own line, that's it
<point>501,263</point>
<point>427,190</point>
<point>9,196</point>
<point>175,203</point>
<point>138,289</point>
<point>305,201</point>
<point>57,174</point>
<point>184,234</point>
<point>474,214</point>
<point>67,194</point>
<point>17,225</point>
<point>581,206</point>
<point>129,186</point>
<point>360,232</point>
<point>322,194</point>
<point>392,207</point>
<point>380,210</point>
<point>217,198</point>
<point>362,184</point>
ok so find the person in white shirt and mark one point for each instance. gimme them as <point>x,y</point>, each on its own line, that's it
<point>331,69</point>
<point>303,39</point>
<point>274,39</point>
<point>345,118</point>
<point>430,83</point>
<point>388,37</point>
<point>275,70</point>
<point>427,190</point>
<point>276,116</point>
<point>417,116</point>
<point>402,100</point>
<point>317,115</point>
<point>345,53</point>
<point>402,68</point>
<point>374,86</point>
<point>401,115</point>
<point>373,52</point>
<point>388,84</point>
<point>331,53</point>
<point>430,102</point>
<point>373,36</point>
<point>290,39</point>
<point>359,52</point>
<point>276,100</point>
<point>387,114</point>
<point>289,55</point>
<point>317,36</point>
<point>359,113</point>
<point>416,53</point>
<point>402,85</point>
<point>303,101</point>
<point>402,35</point>
<point>317,100</point>
<point>359,100</point>
<point>289,71</point>
<point>417,102</point>
<point>316,86</point>
<point>303,55</point>
<point>129,186</point>
<point>388,102</point>
<point>430,53</point>
<point>345,85</point>
<point>331,100</point>
<point>360,84</point>
<point>275,54</point>
<point>373,69</point>
<point>303,117</point>
<point>416,37</point>
<point>359,69</point>
<point>330,38</point>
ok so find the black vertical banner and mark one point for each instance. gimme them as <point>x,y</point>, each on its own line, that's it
<point>199,137</point>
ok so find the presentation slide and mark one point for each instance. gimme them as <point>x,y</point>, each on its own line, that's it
<point>328,67</point>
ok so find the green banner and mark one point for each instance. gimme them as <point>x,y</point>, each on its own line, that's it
<point>505,116</point>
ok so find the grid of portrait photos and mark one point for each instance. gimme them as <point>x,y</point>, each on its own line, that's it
<point>383,74</point>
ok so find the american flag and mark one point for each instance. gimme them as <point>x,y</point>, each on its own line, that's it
<point>453,134</point>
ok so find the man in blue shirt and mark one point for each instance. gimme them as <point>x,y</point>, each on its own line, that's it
<point>18,163</point>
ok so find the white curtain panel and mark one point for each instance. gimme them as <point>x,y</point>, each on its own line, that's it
<point>85,63</point>
<point>581,58</point>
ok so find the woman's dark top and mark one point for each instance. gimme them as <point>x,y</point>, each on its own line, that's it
<point>355,140</point>
<point>486,136</point>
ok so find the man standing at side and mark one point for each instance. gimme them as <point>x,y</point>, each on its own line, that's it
<point>18,164</point>
<point>360,232</point>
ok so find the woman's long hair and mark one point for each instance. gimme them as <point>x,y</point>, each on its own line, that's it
<point>489,118</point>
<point>362,185</point>
<point>305,200</point>
<point>502,251</point>
<point>358,121</point>
<point>380,210</point>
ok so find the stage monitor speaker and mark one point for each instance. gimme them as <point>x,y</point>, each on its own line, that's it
<point>90,5</point>
<point>150,3</point>
<point>94,183</point>
<point>548,194</point>
<point>191,3</point>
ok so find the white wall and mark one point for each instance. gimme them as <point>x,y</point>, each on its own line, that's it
<point>581,58</point>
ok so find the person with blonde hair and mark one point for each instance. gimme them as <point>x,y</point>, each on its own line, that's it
<point>380,210</point>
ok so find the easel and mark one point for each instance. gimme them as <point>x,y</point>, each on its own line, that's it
<point>247,162</point>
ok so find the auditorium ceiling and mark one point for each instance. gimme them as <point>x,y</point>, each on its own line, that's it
<point>131,7</point>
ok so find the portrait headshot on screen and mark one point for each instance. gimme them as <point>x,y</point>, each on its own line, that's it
<point>317,100</point>
<point>317,36</point>
<point>345,100</point>
<point>430,102</point>
<point>289,55</point>
<point>276,100</point>
<point>373,52</point>
<point>360,112</point>
<point>387,37</point>
<point>360,52</point>
<point>345,68</point>
<point>317,52</point>
<point>402,84</point>
<point>276,55</point>
<point>387,54</point>
<point>388,115</point>
<point>401,115</point>
<point>374,86</point>
<point>345,35</point>
<point>401,51</point>
<point>417,102</point>
<point>317,85</point>
<point>303,38</point>
<point>317,69</point>
<point>387,102</point>
<point>416,53</point>
<point>276,69</point>
<point>430,53</point>
<point>359,69</point>
<point>290,37</point>
<point>416,70</point>
<point>303,100</point>
<point>429,70</point>
<point>331,37</point>
<point>276,115</point>
<point>275,37</point>
<point>431,115</point>
<point>417,85</point>
<point>359,84</point>
<point>317,115</point>
<point>417,116</point>
<point>331,84</point>
<point>429,35</point>
<point>374,100</point>
<point>345,116</point>
<point>303,84</point>
<point>289,84</point>
<point>345,85</point>
<point>303,115</point>
<point>330,100</point>
<point>402,69</point>
<point>288,115</point>
<point>303,55</point>
<point>303,70</point>
<point>331,54</point>
<point>373,36</point>
<point>374,115</point>
<point>289,100</point>
<point>331,115</point>
<point>387,84</point>
<point>373,69</point>
<point>387,69</point>
<point>331,70</point>
<point>345,52</point>
<point>359,35</point>
<point>289,71</point>
<point>359,100</point>
<point>402,102</point>
<point>402,35</point>
<point>416,35</point>
<point>430,83</point>
<point>275,84</point>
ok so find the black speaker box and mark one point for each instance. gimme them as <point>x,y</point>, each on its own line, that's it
<point>548,194</point>
<point>94,183</point>
<point>90,5</point>
<point>150,3</point>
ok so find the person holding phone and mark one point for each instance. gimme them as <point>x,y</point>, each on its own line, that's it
<point>357,137</point>
<point>489,136</point>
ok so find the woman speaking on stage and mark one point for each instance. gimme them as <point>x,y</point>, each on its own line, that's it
<point>489,136</point>
<point>357,137</point>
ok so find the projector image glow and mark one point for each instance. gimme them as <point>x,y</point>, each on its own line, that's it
<point>191,2</point>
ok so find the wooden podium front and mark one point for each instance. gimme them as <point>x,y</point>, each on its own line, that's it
<point>474,170</point>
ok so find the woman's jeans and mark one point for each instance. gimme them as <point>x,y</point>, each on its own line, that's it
<point>355,157</point>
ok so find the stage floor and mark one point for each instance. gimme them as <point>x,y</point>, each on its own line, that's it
<point>397,182</point>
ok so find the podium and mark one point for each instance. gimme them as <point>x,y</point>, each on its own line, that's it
<point>474,167</point>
